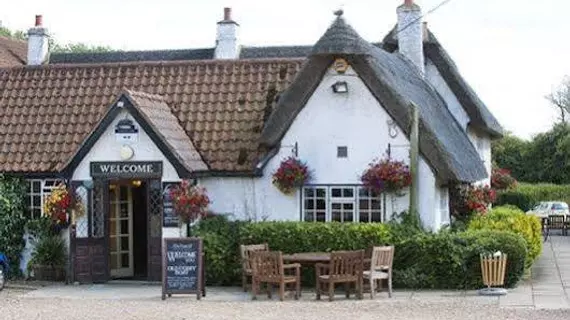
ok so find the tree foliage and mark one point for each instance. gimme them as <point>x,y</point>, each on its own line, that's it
<point>545,158</point>
<point>55,46</point>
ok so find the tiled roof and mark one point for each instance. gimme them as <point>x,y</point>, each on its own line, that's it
<point>12,52</point>
<point>47,112</point>
<point>155,111</point>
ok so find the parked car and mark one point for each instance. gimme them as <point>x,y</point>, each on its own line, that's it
<point>4,269</point>
<point>549,208</point>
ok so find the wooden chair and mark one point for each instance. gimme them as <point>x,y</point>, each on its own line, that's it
<point>245,251</point>
<point>557,222</point>
<point>380,268</point>
<point>268,267</point>
<point>344,267</point>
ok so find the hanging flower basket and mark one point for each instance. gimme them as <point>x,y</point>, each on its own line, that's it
<point>190,202</point>
<point>478,198</point>
<point>58,206</point>
<point>291,174</point>
<point>387,175</point>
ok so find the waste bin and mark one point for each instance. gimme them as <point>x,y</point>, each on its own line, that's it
<point>493,269</point>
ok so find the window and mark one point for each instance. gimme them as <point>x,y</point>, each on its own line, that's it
<point>38,191</point>
<point>342,152</point>
<point>341,204</point>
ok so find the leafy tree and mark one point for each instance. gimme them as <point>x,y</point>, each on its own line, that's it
<point>546,158</point>
<point>560,99</point>
<point>509,153</point>
<point>54,45</point>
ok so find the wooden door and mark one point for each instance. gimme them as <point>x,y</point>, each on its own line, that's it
<point>89,234</point>
<point>154,212</point>
<point>121,258</point>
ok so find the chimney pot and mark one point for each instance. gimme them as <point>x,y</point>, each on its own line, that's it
<point>409,3</point>
<point>227,14</point>
<point>38,20</point>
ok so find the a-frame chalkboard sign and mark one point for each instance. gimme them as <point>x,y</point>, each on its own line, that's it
<point>182,267</point>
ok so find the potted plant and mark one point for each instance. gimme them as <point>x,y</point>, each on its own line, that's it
<point>48,259</point>
<point>387,175</point>
<point>291,174</point>
<point>190,201</point>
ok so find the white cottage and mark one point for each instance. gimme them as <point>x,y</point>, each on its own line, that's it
<point>122,127</point>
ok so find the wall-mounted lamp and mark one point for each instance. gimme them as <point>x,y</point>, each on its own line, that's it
<point>340,87</point>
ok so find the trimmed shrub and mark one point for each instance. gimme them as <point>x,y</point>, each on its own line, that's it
<point>444,260</point>
<point>221,249</point>
<point>526,195</point>
<point>451,260</point>
<point>291,237</point>
<point>510,218</point>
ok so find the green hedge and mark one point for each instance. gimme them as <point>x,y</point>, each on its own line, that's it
<point>451,260</point>
<point>422,260</point>
<point>510,218</point>
<point>221,248</point>
<point>526,195</point>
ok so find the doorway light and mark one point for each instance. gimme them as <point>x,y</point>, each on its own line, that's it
<point>340,87</point>
<point>137,183</point>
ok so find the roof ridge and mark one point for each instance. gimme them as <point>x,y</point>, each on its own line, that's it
<point>160,63</point>
<point>143,94</point>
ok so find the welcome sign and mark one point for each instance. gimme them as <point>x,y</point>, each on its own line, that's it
<point>134,169</point>
<point>182,267</point>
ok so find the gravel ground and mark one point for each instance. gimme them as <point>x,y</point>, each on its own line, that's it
<point>14,307</point>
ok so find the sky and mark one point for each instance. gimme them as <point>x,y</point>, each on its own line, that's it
<point>512,52</point>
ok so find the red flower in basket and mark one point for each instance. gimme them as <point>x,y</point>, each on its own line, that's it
<point>292,173</point>
<point>190,202</point>
<point>387,176</point>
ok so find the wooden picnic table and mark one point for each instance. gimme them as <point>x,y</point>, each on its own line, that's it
<point>310,257</point>
<point>307,257</point>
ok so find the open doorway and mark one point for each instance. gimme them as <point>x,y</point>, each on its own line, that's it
<point>128,254</point>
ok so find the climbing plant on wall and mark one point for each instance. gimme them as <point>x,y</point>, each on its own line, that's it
<point>12,221</point>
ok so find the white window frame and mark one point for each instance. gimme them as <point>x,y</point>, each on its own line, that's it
<point>46,187</point>
<point>330,200</point>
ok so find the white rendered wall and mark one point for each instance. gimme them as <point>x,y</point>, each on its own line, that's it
<point>354,119</point>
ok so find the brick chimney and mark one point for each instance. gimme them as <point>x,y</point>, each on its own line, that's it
<point>38,43</point>
<point>227,46</point>
<point>411,33</point>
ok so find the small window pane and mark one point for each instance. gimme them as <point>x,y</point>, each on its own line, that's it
<point>309,216</point>
<point>348,193</point>
<point>376,216</point>
<point>321,216</point>
<point>125,243</point>
<point>309,204</point>
<point>309,192</point>
<point>124,193</point>
<point>321,192</point>
<point>342,152</point>
<point>113,261</point>
<point>321,204</point>
<point>37,201</point>
<point>363,204</point>
<point>336,206</point>
<point>36,186</point>
<point>125,227</point>
<point>335,215</point>
<point>336,192</point>
<point>125,260</point>
<point>376,204</point>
